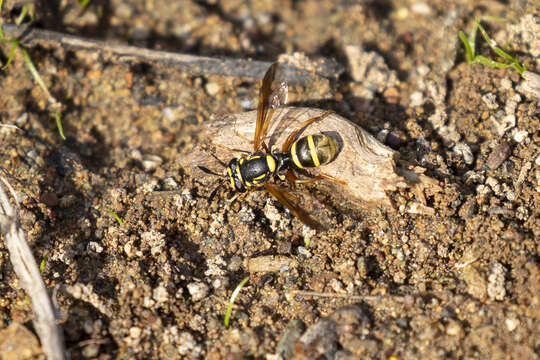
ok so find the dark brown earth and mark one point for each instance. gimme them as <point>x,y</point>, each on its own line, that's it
<point>383,283</point>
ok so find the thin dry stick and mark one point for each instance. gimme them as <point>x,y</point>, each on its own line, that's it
<point>10,126</point>
<point>192,64</point>
<point>27,271</point>
<point>343,296</point>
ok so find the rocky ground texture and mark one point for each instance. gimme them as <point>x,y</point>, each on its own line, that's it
<point>460,282</point>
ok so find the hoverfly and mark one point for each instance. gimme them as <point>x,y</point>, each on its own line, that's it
<point>254,171</point>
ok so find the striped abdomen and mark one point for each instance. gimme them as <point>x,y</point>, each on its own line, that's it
<point>313,151</point>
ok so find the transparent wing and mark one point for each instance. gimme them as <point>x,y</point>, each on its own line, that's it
<point>273,94</point>
<point>285,199</point>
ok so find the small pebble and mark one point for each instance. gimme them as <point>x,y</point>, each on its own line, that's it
<point>453,328</point>
<point>198,290</point>
<point>22,119</point>
<point>511,104</point>
<point>169,183</point>
<point>494,185</point>
<point>396,138</point>
<point>506,84</point>
<point>495,287</point>
<point>519,135</point>
<point>402,13</point>
<point>391,95</point>
<point>421,8</point>
<point>212,88</point>
<point>463,150</point>
<point>304,252</point>
<point>95,247</point>
<point>160,294</point>
<point>151,162</point>
<point>490,100</point>
<point>522,213</point>
<point>500,124</point>
<point>235,263</point>
<point>135,332</point>
<point>511,324</point>
<point>246,214</point>
<point>530,86</point>
<point>498,155</point>
<point>90,351</point>
<point>476,284</point>
<point>186,343</point>
<point>382,135</point>
<point>168,113</point>
<point>416,99</point>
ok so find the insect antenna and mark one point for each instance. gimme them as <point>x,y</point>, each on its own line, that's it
<point>208,171</point>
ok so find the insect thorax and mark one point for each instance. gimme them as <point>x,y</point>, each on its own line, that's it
<point>252,170</point>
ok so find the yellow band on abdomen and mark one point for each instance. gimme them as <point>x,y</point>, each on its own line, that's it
<point>313,151</point>
<point>295,157</point>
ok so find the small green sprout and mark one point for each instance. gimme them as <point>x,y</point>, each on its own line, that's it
<point>42,264</point>
<point>26,10</point>
<point>115,215</point>
<point>30,65</point>
<point>472,58</point>
<point>11,55</point>
<point>59,124</point>
<point>84,3</point>
<point>231,301</point>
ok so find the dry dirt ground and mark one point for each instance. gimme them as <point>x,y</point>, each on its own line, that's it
<point>461,283</point>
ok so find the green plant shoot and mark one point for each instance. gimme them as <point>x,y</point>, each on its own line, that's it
<point>472,58</point>
<point>231,301</point>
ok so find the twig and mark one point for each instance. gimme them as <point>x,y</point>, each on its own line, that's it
<point>193,64</point>
<point>334,295</point>
<point>9,126</point>
<point>27,271</point>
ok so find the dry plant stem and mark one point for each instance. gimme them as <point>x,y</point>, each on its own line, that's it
<point>332,295</point>
<point>27,271</point>
<point>192,64</point>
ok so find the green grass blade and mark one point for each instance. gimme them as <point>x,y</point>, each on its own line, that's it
<point>469,55</point>
<point>493,45</point>
<point>59,125</point>
<point>42,264</point>
<point>514,62</point>
<point>488,62</point>
<point>22,15</point>
<point>2,37</point>
<point>115,215</point>
<point>472,39</point>
<point>231,301</point>
<point>84,3</point>
<point>34,72</point>
<point>503,54</point>
<point>11,55</point>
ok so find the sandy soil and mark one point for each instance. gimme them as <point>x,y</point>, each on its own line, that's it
<point>384,282</point>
